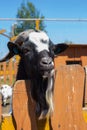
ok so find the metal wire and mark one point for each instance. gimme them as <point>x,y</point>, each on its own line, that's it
<point>46,19</point>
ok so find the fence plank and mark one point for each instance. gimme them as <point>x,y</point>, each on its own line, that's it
<point>4,71</point>
<point>68,99</point>
<point>23,106</point>
<point>8,71</point>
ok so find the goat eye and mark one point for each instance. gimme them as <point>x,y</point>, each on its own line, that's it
<point>26,50</point>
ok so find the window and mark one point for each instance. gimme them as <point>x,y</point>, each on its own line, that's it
<point>74,62</point>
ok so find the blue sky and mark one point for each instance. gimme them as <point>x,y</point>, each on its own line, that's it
<point>57,31</point>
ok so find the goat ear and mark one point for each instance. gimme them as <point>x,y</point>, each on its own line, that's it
<point>58,48</point>
<point>13,48</point>
<point>10,53</point>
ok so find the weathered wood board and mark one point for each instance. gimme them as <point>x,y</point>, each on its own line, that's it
<point>68,99</point>
<point>23,106</point>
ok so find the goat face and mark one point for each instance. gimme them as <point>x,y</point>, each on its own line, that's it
<point>37,54</point>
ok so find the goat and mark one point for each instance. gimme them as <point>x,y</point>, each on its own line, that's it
<point>6,92</point>
<point>37,54</point>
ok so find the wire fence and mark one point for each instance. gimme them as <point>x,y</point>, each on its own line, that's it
<point>46,19</point>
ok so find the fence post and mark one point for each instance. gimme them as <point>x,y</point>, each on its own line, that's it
<point>10,72</point>
<point>37,24</point>
<point>4,72</point>
<point>23,106</point>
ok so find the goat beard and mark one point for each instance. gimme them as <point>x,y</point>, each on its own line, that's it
<point>49,94</point>
<point>43,94</point>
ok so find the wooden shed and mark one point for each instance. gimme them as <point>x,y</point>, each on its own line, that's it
<point>75,54</point>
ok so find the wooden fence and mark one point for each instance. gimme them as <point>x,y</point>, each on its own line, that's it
<point>69,102</point>
<point>8,71</point>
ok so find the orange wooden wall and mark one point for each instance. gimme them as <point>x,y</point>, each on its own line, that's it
<point>73,53</point>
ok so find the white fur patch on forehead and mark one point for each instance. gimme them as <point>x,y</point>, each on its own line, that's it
<point>40,39</point>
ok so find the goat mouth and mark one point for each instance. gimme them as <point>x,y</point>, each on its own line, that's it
<point>45,70</point>
<point>46,73</point>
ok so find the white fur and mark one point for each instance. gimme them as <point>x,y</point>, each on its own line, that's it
<point>37,38</point>
<point>49,93</point>
<point>6,92</point>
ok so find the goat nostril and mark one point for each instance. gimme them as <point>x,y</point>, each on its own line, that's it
<point>46,61</point>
